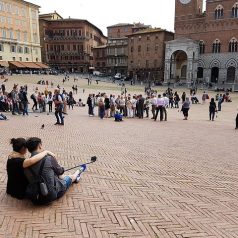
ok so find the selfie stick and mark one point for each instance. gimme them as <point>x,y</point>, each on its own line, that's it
<point>93,159</point>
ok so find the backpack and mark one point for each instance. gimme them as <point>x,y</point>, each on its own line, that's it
<point>33,96</point>
<point>37,190</point>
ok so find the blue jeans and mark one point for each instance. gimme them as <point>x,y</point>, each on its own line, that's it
<point>25,108</point>
<point>59,114</point>
<point>68,181</point>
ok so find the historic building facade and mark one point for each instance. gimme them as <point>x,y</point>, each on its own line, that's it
<point>117,46</point>
<point>100,58</point>
<point>67,43</point>
<point>206,43</point>
<point>146,49</point>
<point>19,32</point>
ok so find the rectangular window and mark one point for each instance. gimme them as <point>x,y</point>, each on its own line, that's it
<point>11,34</point>
<point>2,6</point>
<point>33,14</point>
<point>18,36</point>
<point>139,48</point>
<point>13,49</point>
<point>13,58</point>
<point>26,50</point>
<point>20,58</point>
<point>9,20</point>
<point>147,63</point>
<point>20,50</point>
<point>4,33</point>
<point>27,59</point>
<point>1,47</point>
<point>0,57</point>
<point>25,36</point>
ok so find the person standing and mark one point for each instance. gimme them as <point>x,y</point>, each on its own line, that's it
<point>58,100</point>
<point>50,101</point>
<point>90,105</point>
<point>107,106</point>
<point>141,102</point>
<point>129,107</point>
<point>185,108</point>
<point>24,102</point>
<point>236,122</point>
<point>112,105</point>
<point>212,109</point>
<point>220,101</point>
<point>159,108</point>
<point>153,103</point>
<point>183,97</point>
<point>134,103</point>
<point>147,106</point>
<point>166,105</point>
<point>101,108</point>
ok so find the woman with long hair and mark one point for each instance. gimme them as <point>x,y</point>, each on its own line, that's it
<point>17,161</point>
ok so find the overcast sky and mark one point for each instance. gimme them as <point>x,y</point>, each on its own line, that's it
<point>102,13</point>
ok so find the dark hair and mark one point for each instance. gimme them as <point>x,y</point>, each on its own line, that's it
<point>18,144</point>
<point>32,143</point>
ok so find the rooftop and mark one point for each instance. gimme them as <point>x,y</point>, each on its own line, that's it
<point>28,3</point>
<point>121,24</point>
<point>149,30</point>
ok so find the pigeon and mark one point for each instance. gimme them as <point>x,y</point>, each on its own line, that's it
<point>43,126</point>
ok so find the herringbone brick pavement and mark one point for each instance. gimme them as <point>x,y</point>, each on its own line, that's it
<point>170,179</point>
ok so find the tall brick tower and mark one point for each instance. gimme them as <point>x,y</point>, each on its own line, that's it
<point>186,10</point>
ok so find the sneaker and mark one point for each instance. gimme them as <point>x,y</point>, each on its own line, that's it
<point>78,178</point>
<point>82,168</point>
<point>57,123</point>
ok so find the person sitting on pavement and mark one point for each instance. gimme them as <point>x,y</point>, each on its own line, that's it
<point>17,161</point>
<point>52,173</point>
<point>118,116</point>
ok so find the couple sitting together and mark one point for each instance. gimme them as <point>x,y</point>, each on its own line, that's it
<point>39,178</point>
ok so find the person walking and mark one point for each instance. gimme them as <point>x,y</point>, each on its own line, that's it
<point>185,108</point>
<point>176,100</point>
<point>58,100</point>
<point>159,108</point>
<point>212,109</point>
<point>147,106</point>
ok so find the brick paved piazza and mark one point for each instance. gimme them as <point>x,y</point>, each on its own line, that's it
<point>170,179</point>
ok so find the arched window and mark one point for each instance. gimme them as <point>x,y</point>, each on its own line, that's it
<point>219,12</point>
<point>216,46</point>
<point>201,47</point>
<point>235,10</point>
<point>231,74</point>
<point>233,45</point>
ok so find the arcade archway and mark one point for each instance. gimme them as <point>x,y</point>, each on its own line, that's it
<point>179,61</point>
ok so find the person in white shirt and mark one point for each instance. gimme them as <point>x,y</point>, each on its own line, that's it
<point>166,104</point>
<point>153,102</point>
<point>159,108</point>
<point>134,101</point>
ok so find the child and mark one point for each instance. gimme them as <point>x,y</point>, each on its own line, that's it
<point>118,116</point>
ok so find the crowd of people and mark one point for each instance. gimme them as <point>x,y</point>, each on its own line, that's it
<point>137,106</point>
<point>124,105</point>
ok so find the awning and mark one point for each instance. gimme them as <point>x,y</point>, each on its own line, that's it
<point>4,63</point>
<point>42,66</point>
<point>30,65</point>
<point>16,64</point>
